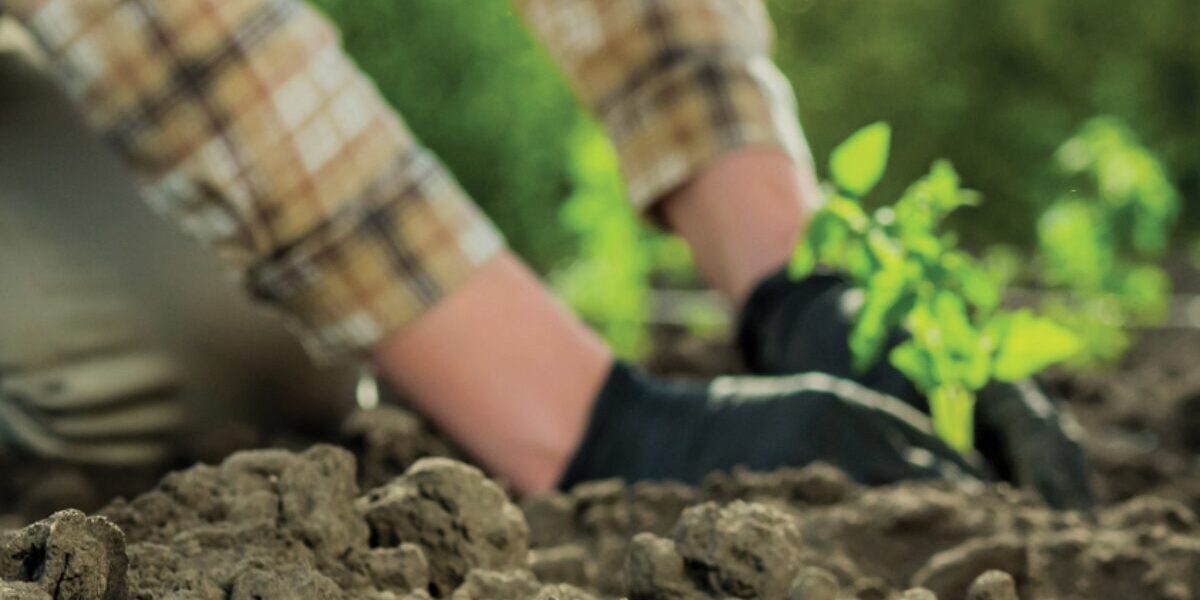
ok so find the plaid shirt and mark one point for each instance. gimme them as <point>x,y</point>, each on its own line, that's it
<point>250,127</point>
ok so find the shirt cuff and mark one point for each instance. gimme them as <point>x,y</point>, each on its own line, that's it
<point>685,118</point>
<point>377,266</point>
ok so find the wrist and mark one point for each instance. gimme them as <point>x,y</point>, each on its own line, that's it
<point>743,216</point>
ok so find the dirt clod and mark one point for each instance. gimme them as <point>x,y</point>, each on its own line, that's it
<point>950,573</point>
<point>654,570</point>
<point>69,556</point>
<point>814,583</point>
<point>993,585</point>
<point>459,519</point>
<point>918,594</point>
<point>403,567</point>
<point>570,564</point>
<point>19,590</point>
<point>483,584</point>
<point>741,550</point>
<point>387,441</point>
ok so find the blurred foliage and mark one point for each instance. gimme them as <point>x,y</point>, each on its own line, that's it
<point>476,88</point>
<point>997,86</point>
<point>608,284</point>
<point>1096,259</point>
<point>1099,244</point>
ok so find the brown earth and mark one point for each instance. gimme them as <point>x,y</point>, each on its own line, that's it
<point>378,521</point>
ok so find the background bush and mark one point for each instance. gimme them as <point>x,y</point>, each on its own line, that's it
<point>478,90</point>
<point>993,86</point>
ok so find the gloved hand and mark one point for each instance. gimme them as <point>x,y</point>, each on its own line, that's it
<point>96,368</point>
<point>643,428</point>
<point>75,382</point>
<point>111,410</point>
<point>112,323</point>
<point>801,326</point>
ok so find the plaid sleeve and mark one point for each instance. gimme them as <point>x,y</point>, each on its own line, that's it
<point>676,83</point>
<point>252,129</point>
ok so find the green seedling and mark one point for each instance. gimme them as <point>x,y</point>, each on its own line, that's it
<point>609,281</point>
<point>916,278</point>
<point>1099,244</point>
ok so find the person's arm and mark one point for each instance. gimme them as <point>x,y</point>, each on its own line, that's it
<point>704,123</point>
<point>709,141</point>
<point>251,128</point>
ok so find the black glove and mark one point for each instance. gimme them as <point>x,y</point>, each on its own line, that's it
<point>648,429</point>
<point>800,326</point>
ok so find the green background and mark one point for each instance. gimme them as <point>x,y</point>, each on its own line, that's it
<point>993,86</point>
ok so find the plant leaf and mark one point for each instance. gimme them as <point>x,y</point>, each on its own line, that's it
<point>1027,344</point>
<point>858,164</point>
<point>881,314</point>
<point>915,365</point>
<point>804,260</point>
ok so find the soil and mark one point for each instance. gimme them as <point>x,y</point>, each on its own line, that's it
<point>391,512</point>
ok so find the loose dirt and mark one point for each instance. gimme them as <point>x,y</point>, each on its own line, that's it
<point>273,524</point>
<point>391,512</point>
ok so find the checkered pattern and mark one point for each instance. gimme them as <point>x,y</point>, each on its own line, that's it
<point>250,127</point>
<point>677,83</point>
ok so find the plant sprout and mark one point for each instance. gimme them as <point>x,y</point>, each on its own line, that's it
<point>1098,244</point>
<point>915,278</point>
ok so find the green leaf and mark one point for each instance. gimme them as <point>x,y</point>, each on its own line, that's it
<point>1076,245</point>
<point>915,364</point>
<point>804,260</point>
<point>885,250</point>
<point>1002,264</point>
<point>829,237</point>
<point>850,212</point>
<point>963,356</point>
<point>1145,294</point>
<point>878,317</point>
<point>977,285</point>
<point>858,164</point>
<point>1027,344</point>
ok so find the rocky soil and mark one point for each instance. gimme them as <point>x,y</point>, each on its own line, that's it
<point>390,513</point>
<point>273,524</point>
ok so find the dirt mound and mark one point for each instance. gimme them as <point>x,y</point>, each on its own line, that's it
<point>751,535</point>
<point>382,520</point>
<point>273,524</point>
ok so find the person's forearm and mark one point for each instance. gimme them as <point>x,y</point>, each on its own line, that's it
<point>743,216</point>
<point>505,370</point>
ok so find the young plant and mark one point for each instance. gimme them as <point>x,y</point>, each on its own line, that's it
<point>1099,245</point>
<point>912,276</point>
<point>608,282</point>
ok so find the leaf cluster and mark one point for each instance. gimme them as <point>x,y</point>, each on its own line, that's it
<point>1099,244</point>
<point>911,276</point>
<point>609,281</point>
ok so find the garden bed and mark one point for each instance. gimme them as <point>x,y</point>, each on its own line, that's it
<point>371,519</point>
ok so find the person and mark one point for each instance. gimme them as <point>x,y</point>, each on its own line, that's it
<point>249,126</point>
